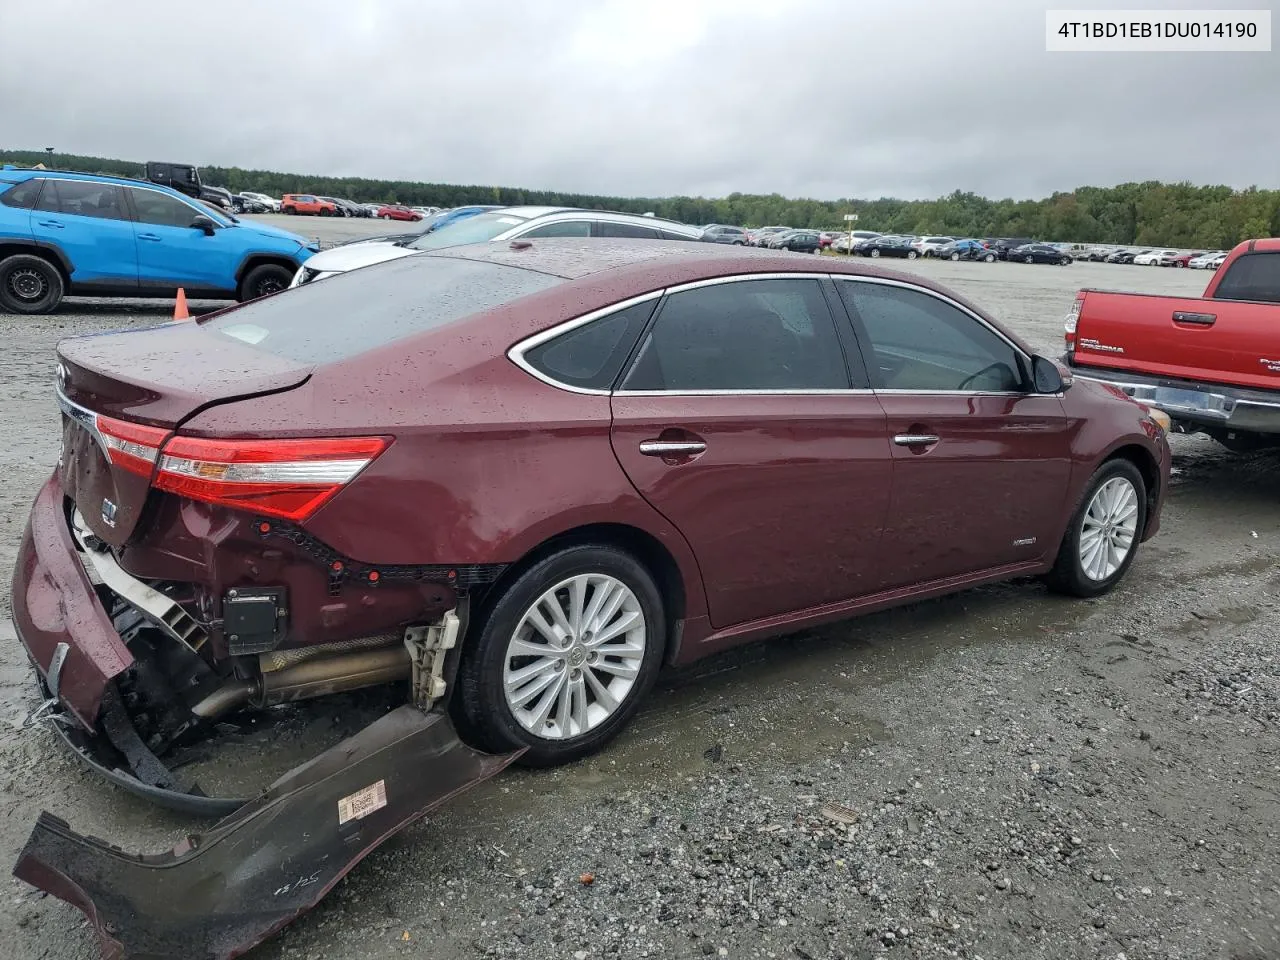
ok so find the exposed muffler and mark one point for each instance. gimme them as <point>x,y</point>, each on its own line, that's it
<point>302,674</point>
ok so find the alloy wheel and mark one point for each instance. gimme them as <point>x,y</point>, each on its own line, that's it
<point>574,656</point>
<point>28,284</point>
<point>1108,529</point>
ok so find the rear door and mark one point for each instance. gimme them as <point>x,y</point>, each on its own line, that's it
<point>739,422</point>
<point>172,253</point>
<point>980,465</point>
<point>89,222</point>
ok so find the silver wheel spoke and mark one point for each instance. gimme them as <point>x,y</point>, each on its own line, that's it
<point>523,648</point>
<point>627,670</point>
<point>618,627</point>
<point>577,693</point>
<point>518,695</point>
<point>601,594</point>
<point>577,598</point>
<point>554,695</point>
<point>601,692</point>
<point>539,622</point>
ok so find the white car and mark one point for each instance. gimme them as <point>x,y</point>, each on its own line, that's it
<point>1207,261</point>
<point>1152,258</point>
<point>929,246</point>
<point>505,224</point>
<point>269,202</point>
<point>841,243</point>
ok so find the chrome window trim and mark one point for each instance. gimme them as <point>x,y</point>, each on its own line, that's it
<point>516,353</point>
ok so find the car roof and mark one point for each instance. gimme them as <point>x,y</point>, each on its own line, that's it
<point>532,213</point>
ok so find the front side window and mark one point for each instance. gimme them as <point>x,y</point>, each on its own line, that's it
<point>592,355</point>
<point>161,209</point>
<point>564,228</point>
<point>79,198</point>
<point>742,335</point>
<point>921,343</point>
<point>1252,276</point>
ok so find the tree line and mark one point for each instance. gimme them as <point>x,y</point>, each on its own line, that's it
<point>1150,213</point>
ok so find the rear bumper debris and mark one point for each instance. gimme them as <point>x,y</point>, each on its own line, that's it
<point>213,897</point>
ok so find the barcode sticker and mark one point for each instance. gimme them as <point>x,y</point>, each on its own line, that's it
<point>360,804</point>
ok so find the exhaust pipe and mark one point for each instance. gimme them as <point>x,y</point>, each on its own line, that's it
<point>307,678</point>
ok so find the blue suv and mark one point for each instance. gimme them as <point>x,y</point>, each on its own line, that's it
<point>81,235</point>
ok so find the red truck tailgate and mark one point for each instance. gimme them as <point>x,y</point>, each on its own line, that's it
<point>1189,338</point>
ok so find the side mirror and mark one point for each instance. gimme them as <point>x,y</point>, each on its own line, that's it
<point>1047,376</point>
<point>201,222</point>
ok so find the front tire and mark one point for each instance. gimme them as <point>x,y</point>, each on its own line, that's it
<point>911,254</point>
<point>955,256</point>
<point>1104,532</point>
<point>1028,259</point>
<point>29,284</point>
<point>875,253</point>
<point>263,280</point>
<point>563,656</point>
<point>990,258</point>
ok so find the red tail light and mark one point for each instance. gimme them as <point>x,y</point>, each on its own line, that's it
<point>291,479</point>
<point>130,446</point>
<point>1072,321</point>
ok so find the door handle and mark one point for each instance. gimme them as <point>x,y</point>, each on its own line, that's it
<point>1201,319</point>
<point>915,439</point>
<point>50,223</point>
<point>148,236</point>
<point>671,448</point>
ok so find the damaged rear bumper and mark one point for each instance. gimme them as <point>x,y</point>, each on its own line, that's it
<point>215,896</point>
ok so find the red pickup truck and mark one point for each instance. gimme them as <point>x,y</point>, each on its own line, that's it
<point>1212,363</point>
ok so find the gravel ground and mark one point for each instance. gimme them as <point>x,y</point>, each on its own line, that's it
<point>999,774</point>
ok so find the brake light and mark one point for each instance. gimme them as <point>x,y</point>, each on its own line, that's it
<point>1072,321</point>
<point>290,479</point>
<point>130,446</point>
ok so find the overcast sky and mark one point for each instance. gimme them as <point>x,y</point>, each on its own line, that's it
<point>819,98</point>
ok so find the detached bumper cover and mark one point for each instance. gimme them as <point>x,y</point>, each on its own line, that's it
<point>215,896</point>
<point>1206,404</point>
<point>54,602</point>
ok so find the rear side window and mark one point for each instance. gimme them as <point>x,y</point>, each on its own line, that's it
<point>362,310</point>
<point>82,198</point>
<point>1252,276</point>
<point>743,335</point>
<point>23,195</point>
<point>609,228</point>
<point>591,356</point>
<point>160,209</point>
<point>672,235</point>
<point>565,228</point>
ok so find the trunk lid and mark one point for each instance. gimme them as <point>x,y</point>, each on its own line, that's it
<point>141,385</point>
<point>1188,338</point>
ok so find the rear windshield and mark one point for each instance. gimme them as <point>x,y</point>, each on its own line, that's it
<point>1252,276</point>
<point>340,317</point>
<point>477,229</point>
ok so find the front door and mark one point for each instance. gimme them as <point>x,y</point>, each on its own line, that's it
<point>87,220</point>
<point>980,463</point>
<point>171,252</point>
<point>739,422</point>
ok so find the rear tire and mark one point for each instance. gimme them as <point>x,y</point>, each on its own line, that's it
<point>1070,573</point>
<point>955,256</point>
<point>990,258</point>
<point>29,284</point>
<point>263,280</point>
<point>1029,260</point>
<point>875,252</point>
<point>911,254</point>
<point>485,674</point>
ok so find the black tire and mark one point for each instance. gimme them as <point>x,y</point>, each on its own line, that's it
<point>29,284</point>
<point>480,697</point>
<point>386,216</point>
<point>292,211</point>
<point>1064,262</point>
<point>264,279</point>
<point>1029,259</point>
<point>955,256</point>
<point>990,258</point>
<point>875,252</point>
<point>911,254</point>
<point>1067,575</point>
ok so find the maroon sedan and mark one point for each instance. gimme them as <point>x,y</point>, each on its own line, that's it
<point>529,476</point>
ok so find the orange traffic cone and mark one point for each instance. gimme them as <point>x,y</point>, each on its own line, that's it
<point>180,311</point>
